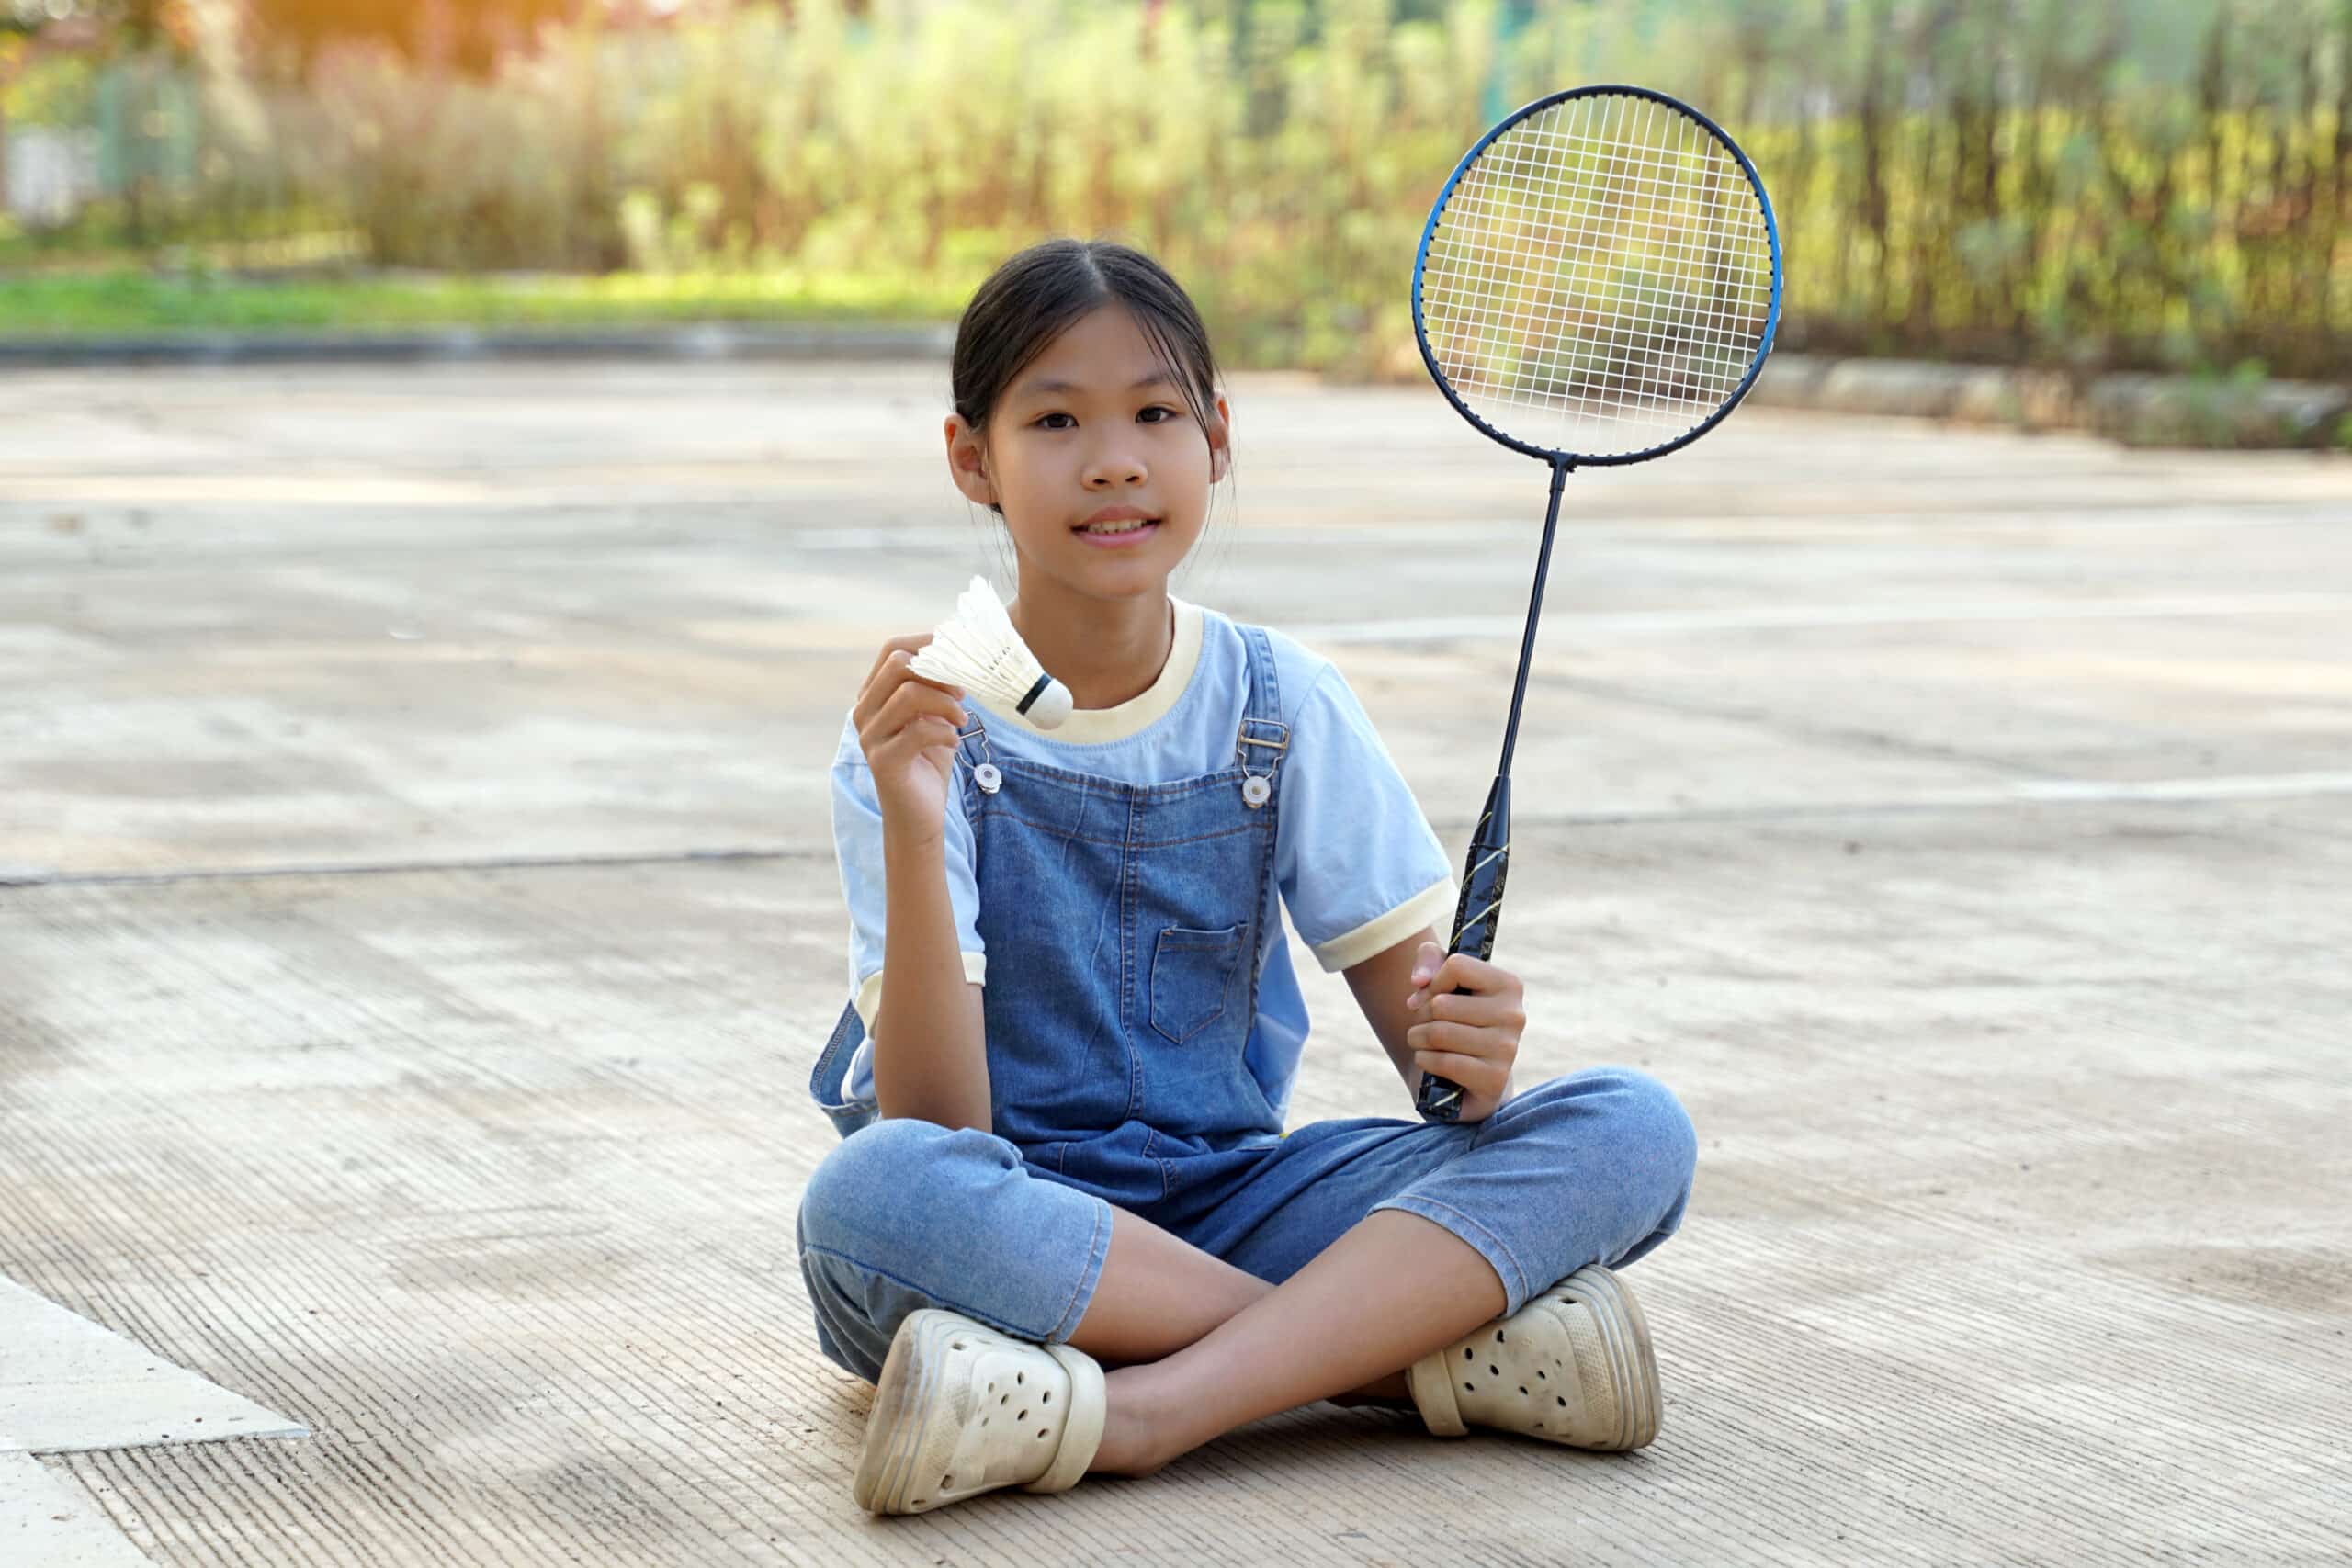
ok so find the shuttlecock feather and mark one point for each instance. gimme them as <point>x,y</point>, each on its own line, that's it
<point>977,650</point>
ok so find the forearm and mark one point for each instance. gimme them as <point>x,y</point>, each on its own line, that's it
<point>930,1044</point>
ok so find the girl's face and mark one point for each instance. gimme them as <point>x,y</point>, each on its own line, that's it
<point>1094,424</point>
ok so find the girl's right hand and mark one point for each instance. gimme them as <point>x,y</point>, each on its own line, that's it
<point>907,727</point>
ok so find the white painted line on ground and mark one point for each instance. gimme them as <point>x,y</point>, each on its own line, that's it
<point>2247,786</point>
<point>46,1521</point>
<point>67,1384</point>
<point>1455,629</point>
<point>2028,792</point>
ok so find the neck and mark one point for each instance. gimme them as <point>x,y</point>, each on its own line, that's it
<point>1107,651</point>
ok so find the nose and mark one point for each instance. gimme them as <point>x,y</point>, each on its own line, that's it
<point>1108,470</point>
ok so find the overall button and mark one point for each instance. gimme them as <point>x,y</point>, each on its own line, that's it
<point>1190,973</point>
<point>1255,791</point>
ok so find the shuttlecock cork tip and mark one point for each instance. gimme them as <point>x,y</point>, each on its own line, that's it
<point>1052,707</point>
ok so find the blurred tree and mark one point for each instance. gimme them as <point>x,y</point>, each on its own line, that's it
<point>140,29</point>
<point>114,26</point>
<point>1511,18</point>
<point>458,35</point>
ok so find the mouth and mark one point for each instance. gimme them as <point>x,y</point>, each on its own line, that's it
<point>1122,525</point>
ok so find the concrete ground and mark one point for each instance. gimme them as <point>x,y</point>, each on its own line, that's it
<point>423,919</point>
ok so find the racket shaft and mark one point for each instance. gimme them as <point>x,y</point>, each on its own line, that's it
<point>1475,918</point>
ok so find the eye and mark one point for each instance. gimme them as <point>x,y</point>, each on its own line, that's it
<point>1161,408</point>
<point>1042,418</point>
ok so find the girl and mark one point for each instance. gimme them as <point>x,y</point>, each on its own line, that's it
<point>1065,1231</point>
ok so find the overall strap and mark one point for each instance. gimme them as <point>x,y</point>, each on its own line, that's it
<point>980,773</point>
<point>1263,738</point>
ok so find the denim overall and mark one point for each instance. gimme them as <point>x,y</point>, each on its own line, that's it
<point>1123,925</point>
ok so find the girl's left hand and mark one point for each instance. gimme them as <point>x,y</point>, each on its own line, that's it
<point>1470,1015</point>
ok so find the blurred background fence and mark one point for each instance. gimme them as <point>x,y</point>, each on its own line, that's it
<point>2139,184</point>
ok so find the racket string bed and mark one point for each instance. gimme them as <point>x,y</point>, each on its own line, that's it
<point>1606,263</point>
<point>1625,177</point>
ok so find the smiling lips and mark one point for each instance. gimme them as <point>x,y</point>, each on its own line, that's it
<point>1117,523</point>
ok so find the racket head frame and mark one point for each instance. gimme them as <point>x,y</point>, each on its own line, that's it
<point>1437,210</point>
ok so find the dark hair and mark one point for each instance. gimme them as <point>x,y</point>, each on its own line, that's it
<point>1033,298</point>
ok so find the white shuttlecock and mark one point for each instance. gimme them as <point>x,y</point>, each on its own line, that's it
<point>978,650</point>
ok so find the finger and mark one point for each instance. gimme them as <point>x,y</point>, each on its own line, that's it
<point>948,688</point>
<point>888,673</point>
<point>1466,972</point>
<point>905,676</point>
<point>920,698</point>
<point>896,697</point>
<point>1479,1012</point>
<point>925,733</point>
<point>1426,961</point>
<point>1473,1073</point>
<point>879,685</point>
<point>916,694</point>
<point>909,643</point>
<point>1457,973</point>
<point>1460,1039</point>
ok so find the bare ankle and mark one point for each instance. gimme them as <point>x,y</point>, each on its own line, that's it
<point>1134,1434</point>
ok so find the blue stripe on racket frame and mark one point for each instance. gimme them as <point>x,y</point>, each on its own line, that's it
<point>1599,282</point>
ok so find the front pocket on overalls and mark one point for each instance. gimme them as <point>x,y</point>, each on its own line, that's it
<point>1191,972</point>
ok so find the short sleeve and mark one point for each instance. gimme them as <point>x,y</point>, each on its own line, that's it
<point>857,843</point>
<point>1361,868</point>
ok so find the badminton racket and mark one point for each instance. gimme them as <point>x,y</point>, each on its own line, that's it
<point>1599,282</point>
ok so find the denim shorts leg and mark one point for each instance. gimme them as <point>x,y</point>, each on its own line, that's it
<point>905,1213</point>
<point>1594,1167</point>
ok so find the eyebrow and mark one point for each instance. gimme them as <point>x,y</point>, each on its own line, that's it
<point>1027,389</point>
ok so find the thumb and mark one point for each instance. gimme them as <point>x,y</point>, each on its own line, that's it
<point>1426,963</point>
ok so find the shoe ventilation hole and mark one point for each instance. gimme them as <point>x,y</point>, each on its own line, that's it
<point>1004,1399</point>
<point>1469,1388</point>
<point>1021,1376</point>
<point>1564,1404</point>
<point>916,1504</point>
<point>1498,1336</point>
<point>956,1344</point>
<point>1465,1352</point>
<point>946,1482</point>
<point>1539,1372</point>
<point>1041,1432</point>
<point>1496,1372</point>
<point>1522,1388</point>
<point>1049,1396</point>
<point>1023,1416</point>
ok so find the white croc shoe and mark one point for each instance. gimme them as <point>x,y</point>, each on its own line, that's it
<point>1573,1366</point>
<point>962,1409</point>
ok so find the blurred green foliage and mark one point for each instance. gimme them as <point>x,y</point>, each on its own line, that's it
<point>2145,183</point>
<point>120,302</point>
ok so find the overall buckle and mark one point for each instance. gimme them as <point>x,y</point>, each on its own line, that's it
<point>1257,788</point>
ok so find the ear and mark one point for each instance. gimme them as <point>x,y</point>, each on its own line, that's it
<point>967,462</point>
<point>1221,442</point>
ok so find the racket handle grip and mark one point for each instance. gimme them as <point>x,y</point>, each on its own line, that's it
<point>1475,918</point>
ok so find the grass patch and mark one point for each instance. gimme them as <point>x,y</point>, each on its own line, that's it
<point>132,303</point>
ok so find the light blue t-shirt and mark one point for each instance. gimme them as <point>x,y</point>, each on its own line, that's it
<point>1359,868</point>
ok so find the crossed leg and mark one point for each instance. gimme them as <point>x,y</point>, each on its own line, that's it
<point>1196,1346</point>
